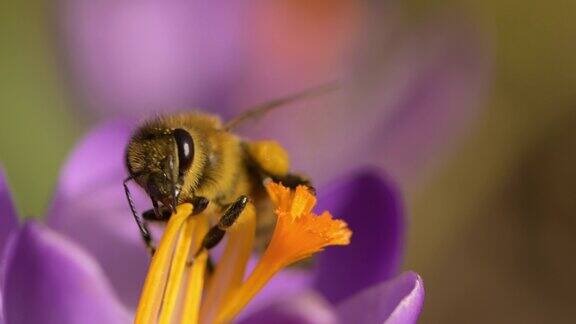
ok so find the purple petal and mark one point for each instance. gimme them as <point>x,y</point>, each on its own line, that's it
<point>372,206</point>
<point>90,208</point>
<point>8,215</point>
<point>304,308</point>
<point>399,300</point>
<point>96,161</point>
<point>129,57</point>
<point>50,280</point>
<point>2,321</point>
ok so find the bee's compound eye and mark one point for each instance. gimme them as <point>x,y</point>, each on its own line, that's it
<point>185,146</point>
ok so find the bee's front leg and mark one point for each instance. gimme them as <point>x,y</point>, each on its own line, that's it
<point>199,203</point>
<point>163,215</point>
<point>216,233</point>
<point>150,215</point>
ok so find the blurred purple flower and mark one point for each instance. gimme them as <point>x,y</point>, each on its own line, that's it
<point>408,90</point>
<point>148,55</point>
<point>87,264</point>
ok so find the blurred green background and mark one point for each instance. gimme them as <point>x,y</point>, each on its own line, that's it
<point>492,231</point>
<point>37,129</point>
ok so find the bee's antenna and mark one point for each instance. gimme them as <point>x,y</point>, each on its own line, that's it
<point>137,218</point>
<point>128,195</point>
<point>268,106</point>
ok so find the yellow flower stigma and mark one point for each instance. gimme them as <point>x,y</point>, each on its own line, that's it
<point>177,288</point>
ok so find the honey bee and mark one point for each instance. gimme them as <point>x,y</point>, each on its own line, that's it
<point>194,157</point>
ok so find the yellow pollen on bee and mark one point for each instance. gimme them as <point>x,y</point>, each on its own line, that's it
<point>270,156</point>
<point>175,292</point>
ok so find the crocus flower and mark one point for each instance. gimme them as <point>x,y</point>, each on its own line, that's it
<point>185,296</point>
<point>87,263</point>
<point>408,90</point>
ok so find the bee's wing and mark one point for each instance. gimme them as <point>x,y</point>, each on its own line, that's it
<point>261,110</point>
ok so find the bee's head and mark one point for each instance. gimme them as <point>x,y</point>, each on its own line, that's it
<point>158,159</point>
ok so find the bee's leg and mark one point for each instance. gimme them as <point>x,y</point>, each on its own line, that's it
<point>293,180</point>
<point>150,215</point>
<point>163,215</point>
<point>216,233</point>
<point>199,203</point>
